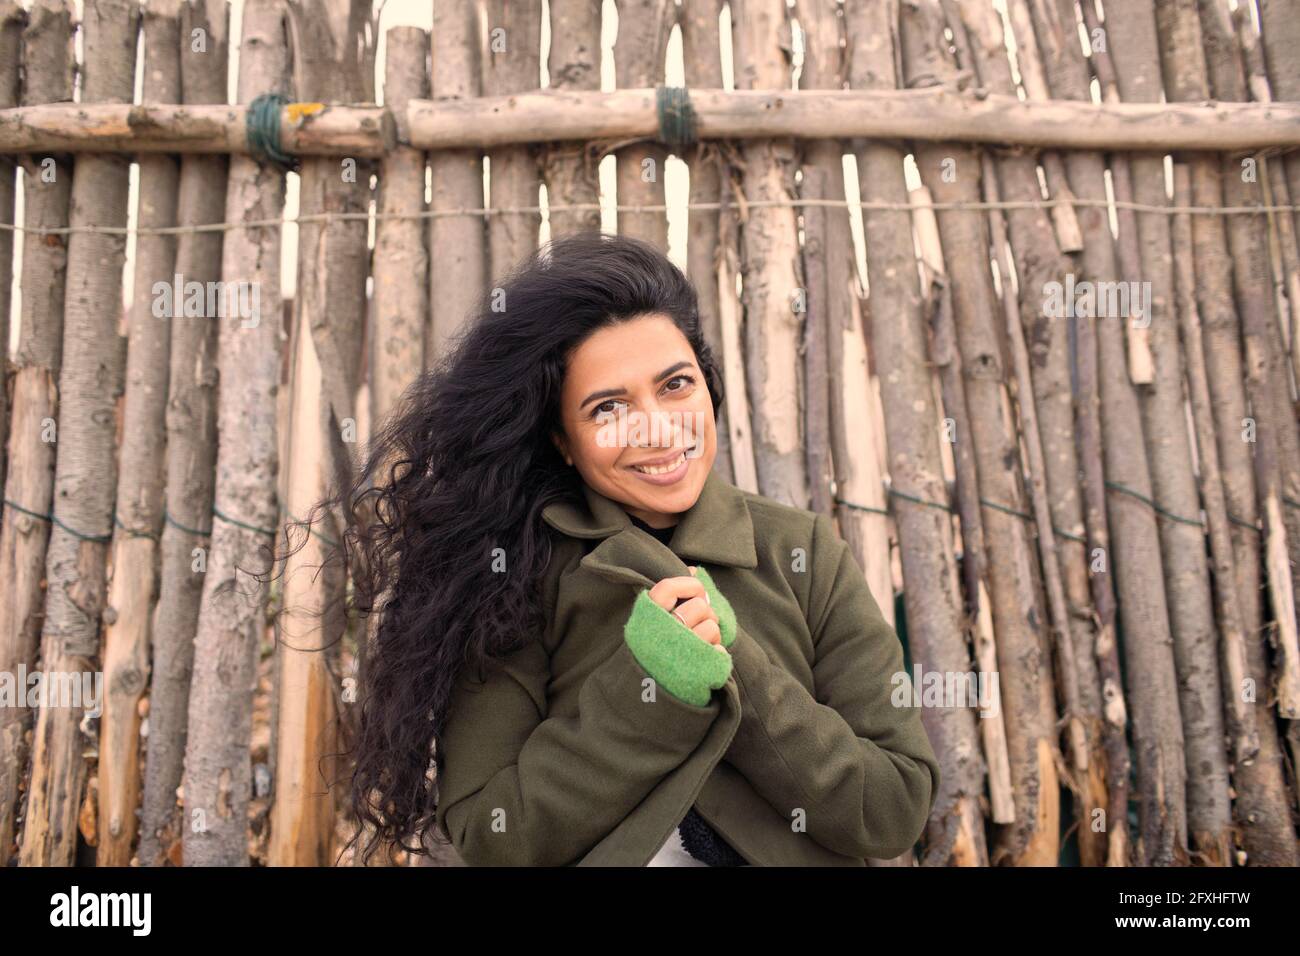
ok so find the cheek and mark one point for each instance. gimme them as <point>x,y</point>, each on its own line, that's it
<point>598,455</point>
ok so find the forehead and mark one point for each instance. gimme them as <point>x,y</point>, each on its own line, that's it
<point>627,352</point>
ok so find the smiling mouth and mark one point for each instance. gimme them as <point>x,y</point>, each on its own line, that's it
<point>666,468</point>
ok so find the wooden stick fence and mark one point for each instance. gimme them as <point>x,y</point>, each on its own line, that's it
<point>1097,501</point>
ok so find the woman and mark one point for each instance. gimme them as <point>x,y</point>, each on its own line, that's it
<point>613,655</point>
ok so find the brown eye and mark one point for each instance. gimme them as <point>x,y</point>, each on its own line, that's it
<point>689,380</point>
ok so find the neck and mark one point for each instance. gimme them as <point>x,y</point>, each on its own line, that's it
<point>653,518</point>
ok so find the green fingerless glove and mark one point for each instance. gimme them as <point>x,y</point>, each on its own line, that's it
<point>685,666</point>
<point>721,607</point>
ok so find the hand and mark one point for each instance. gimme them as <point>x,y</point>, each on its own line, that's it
<point>694,611</point>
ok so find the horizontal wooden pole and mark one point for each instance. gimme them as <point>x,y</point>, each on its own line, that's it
<point>306,129</point>
<point>934,114</point>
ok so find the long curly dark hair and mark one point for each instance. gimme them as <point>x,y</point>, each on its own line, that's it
<point>462,466</point>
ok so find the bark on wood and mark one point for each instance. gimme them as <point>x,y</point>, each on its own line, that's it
<point>457,244</point>
<point>827,269</point>
<point>730,322</point>
<point>1241,716</point>
<point>943,114</point>
<point>401,261</point>
<point>955,831</point>
<point>1280,29</point>
<point>835,346</point>
<point>329,309</point>
<point>957,432</point>
<point>639,50</point>
<point>1144,36</point>
<point>1273,416</point>
<point>1277,446</point>
<point>1023,655</point>
<point>90,383</point>
<point>191,424</point>
<point>1032,444</point>
<point>396,349</point>
<point>938,115</point>
<point>306,129</point>
<point>1162,814</point>
<point>1260,811</point>
<point>1285,255</point>
<point>774,293</point>
<point>710,182</point>
<point>232,622</point>
<point>1066,77</point>
<point>569,169</point>
<point>133,586</point>
<point>511,65</point>
<point>1039,248</point>
<point>1038,262</point>
<point>1280,181</point>
<point>47,183</point>
<point>1134,557</point>
<point>1032,78</point>
<point>12,21</point>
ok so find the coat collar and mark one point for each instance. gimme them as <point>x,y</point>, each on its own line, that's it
<point>717,529</point>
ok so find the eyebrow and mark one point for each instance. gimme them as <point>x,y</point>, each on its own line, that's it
<point>611,392</point>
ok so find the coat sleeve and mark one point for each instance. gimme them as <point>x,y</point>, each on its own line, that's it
<point>862,769</point>
<point>521,788</point>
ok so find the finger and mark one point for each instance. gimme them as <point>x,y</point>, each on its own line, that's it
<point>694,611</point>
<point>694,570</point>
<point>708,631</point>
<point>671,590</point>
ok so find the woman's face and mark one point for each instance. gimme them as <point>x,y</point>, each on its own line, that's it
<point>638,419</point>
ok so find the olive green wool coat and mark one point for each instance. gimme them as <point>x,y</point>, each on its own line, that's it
<point>570,753</point>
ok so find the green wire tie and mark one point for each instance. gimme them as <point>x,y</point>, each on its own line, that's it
<point>676,116</point>
<point>262,127</point>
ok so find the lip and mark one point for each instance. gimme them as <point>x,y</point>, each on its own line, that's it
<point>665,459</point>
<point>668,477</point>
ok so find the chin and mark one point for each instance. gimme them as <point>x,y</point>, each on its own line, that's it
<point>677,500</point>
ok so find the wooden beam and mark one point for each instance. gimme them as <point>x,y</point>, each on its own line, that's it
<point>934,113</point>
<point>939,113</point>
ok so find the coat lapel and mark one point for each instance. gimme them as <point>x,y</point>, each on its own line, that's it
<point>716,530</point>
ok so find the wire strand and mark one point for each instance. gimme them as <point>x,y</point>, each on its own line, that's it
<point>879,206</point>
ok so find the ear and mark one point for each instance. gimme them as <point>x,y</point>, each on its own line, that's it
<point>558,440</point>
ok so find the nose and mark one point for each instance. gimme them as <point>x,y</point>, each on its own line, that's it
<point>661,428</point>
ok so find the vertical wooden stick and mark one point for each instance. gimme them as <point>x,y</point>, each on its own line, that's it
<point>12,20</point>
<point>232,617</point>
<point>29,484</point>
<point>898,333</point>
<point>574,64</point>
<point>511,64</point>
<point>329,311</point>
<point>1145,36</point>
<point>643,28</point>
<point>710,182</point>
<point>457,244</point>
<point>774,290</point>
<point>952,173</point>
<point>85,478</point>
<point>142,461</point>
<point>191,444</point>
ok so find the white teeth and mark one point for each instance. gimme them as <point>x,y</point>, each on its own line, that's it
<point>661,469</point>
